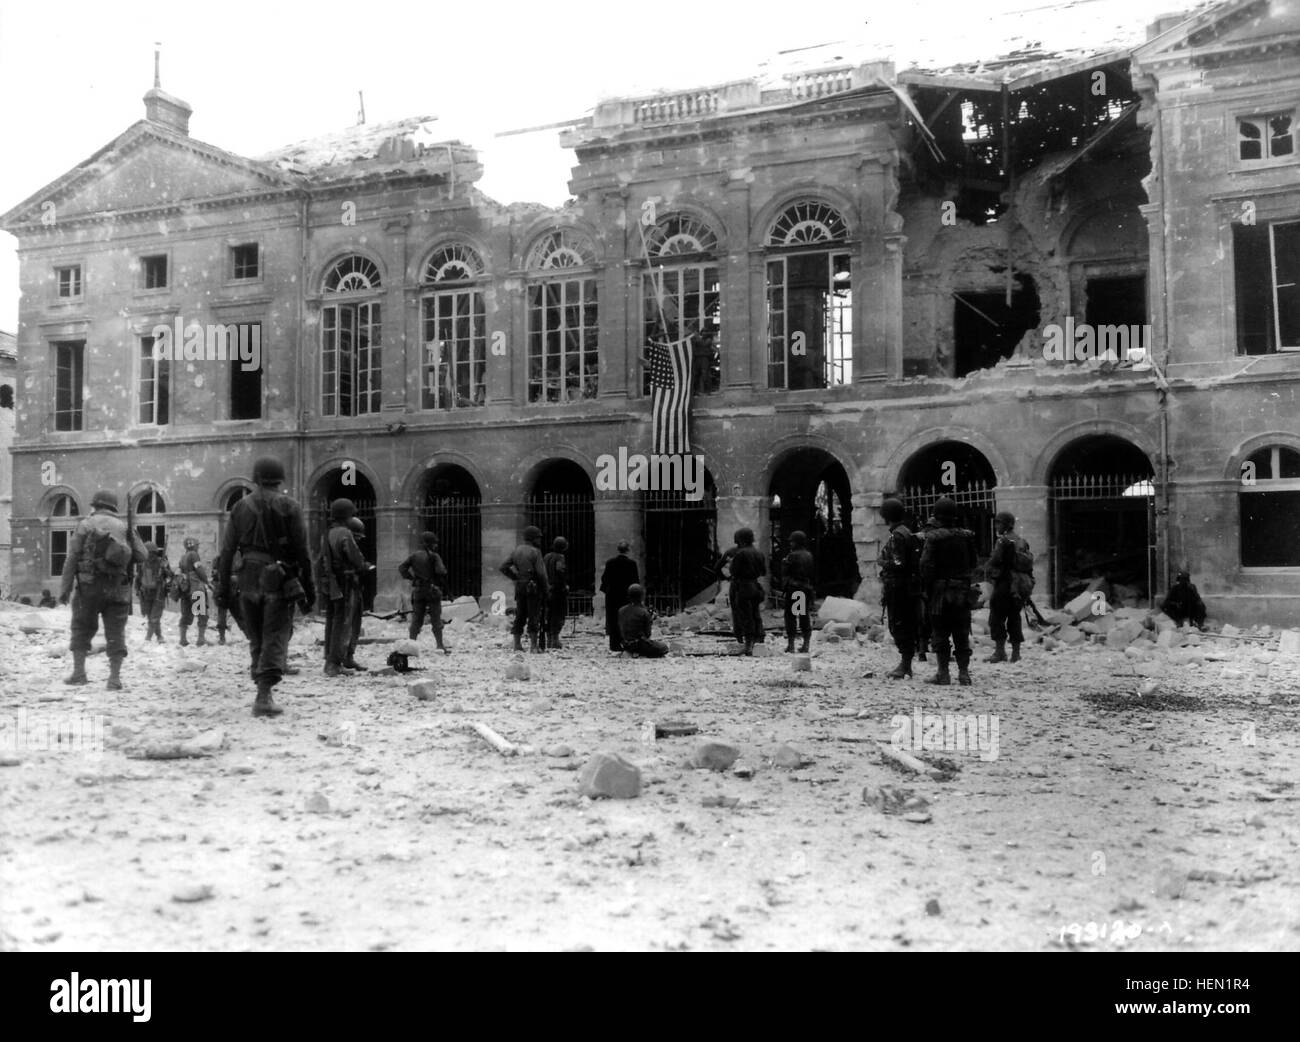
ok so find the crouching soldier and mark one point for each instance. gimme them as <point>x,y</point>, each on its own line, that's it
<point>151,584</point>
<point>634,624</point>
<point>426,573</point>
<point>101,554</point>
<point>527,569</point>
<point>900,583</point>
<point>557,602</point>
<point>195,593</point>
<point>267,532</point>
<point>1010,571</point>
<point>1184,603</point>
<point>799,587</point>
<point>947,562</point>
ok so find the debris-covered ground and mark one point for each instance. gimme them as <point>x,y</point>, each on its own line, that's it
<point>1142,798</point>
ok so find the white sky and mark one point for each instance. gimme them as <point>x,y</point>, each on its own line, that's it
<point>263,74</point>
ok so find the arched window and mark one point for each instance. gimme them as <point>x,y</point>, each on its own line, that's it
<point>563,319</point>
<point>809,298</point>
<point>149,524</point>
<point>351,337</point>
<point>63,520</point>
<point>453,366</point>
<point>681,297</point>
<point>1270,508</point>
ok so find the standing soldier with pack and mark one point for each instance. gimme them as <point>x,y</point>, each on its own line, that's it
<point>746,564</point>
<point>946,565</point>
<point>1010,570</point>
<point>557,603</point>
<point>101,554</point>
<point>900,581</point>
<point>427,574</point>
<point>527,568</point>
<point>620,573</point>
<point>342,567</point>
<point>799,584</point>
<point>151,584</point>
<point>195,594</point>
<point>267,531</point>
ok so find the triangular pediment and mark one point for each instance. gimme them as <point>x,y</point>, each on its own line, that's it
<point>148,167</point>
<point>1226,26</point>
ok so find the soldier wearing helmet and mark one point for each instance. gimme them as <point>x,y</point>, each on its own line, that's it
<point>1010,587</point>
<point>196,594</point>
<point>900,581</point>
<point>427,575</point>
<point>268,532</point>
<point>557,603</point>
<point>745,565</point>
<point>527,569</point>
<point>343,570</point>
<point>947,562</point>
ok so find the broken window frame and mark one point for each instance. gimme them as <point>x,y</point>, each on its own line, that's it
<point>65,515</point>
<point>153,387</point>
<point>242,269</point>
<point>149,504</point>
<point>562,319</point>
<point>692,294</point>
<point>1279,340</point>
<point>68,282</point>
<point>351,373</point>
<point>1263,485</point>
<point>69,370</point>
<point>453,334</point>
<point>1265,139</point>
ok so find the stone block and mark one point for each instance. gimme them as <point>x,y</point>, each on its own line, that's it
<point>610,776</point>
<point>714,756</point>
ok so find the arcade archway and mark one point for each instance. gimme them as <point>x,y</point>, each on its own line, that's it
<point>810,492</point>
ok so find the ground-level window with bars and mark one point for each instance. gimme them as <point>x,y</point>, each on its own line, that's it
<point>681,548</point>
<point>809,321</point>
<point>1269,502</point>
<point>563,329</point>
<point>572,515</point>
<point>452,511</point>
<point>690,295</point>
<point>976,505</point>
<point>350,359</point>
<point>453,369</point>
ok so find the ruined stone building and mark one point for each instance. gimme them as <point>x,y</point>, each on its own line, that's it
<point>876,269</point>
<point>8,371</point>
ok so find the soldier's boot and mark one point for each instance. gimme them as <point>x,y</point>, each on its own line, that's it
<point>185,639</point>
<point>333,669</point>
<point>941,676</point>
<point>203,638</point>
<point>749,647</point>
<point>553,642</point>
<point>1015,652</point>
<point>963,670</point>
<point>437,635</point>
<point>803,645</point>
<point>78,669</point>
<point>789,645</point>
<point>903,669</point>
<point>352,663</point>
<point>920,653</point>
<point>999,653</point>
<point>221,634</point>
<point>533,646</point>
<point>115,674</point>
<point>264,704</point>
<point>519,642</point>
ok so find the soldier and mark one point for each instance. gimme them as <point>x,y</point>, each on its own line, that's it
<point>746,565</point>
<point>343,567</point>
<point>427,575</point>
<point>798,580</point>
<point>195,594</point>
<point>922,611</point>
<point>946,564</point>
<point>267,530</point>
<point>900,581</point>
<point>526,567</point>
<point>620,573</point>
<point>557,604</point>
<point>1006,573</point>
<point>47,600</point>
<point>101,553</point>
<point>634,625</point>
<point>151,584</point>
<point>1184,604</point>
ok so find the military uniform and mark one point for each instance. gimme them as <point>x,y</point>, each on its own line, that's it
<point>344,569</point>
<point>100,554</point>
<point>900,580</point>
<point>151,583</point>
<point>746,593</point>
<point>620,573</point>
<point>1184,604</point>
<point>557,602</point>
<point>528,570</point>
<point>196,595</point>
<point>635,627</point>
<point>427,574</point>
<point>947,562</point>
<point>269,534</point>
<point>1005,602</point>
<point>798,577</point>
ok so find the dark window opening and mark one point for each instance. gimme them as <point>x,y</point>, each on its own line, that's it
<point>1270,529</point>
<point>962,473</point>
<point>452,510</point>
<point>691,303</point>
<point>810,493</point>
<point>986,331</point>
<point>69,280</point>
<point>1266,137</point>
<point>1266,263</point>
<point>58,550</point>
<point>154,269</point>
<point>69,376</point>
<point>155,385</point>
<point>6,396</point>
<point>244,261</point>
<point>246,384</point>
<point>562,503</point>
<point>1116,300</point>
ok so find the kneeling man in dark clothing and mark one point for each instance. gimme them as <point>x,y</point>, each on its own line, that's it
<point>634,626</point>
<point>1184,603</point>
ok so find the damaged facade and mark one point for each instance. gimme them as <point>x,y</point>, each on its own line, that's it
<point>868,261</point>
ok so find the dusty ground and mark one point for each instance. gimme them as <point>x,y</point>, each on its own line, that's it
<point>1180,823</point>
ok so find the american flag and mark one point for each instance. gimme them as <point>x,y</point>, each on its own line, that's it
<point>670,388</point>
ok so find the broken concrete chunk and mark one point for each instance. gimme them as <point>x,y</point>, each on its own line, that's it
<point>317,804</point>
<point>801,663</point>
<point>518,670</point>
<point>789,757</point>
<point>714,756</point>
<point>193,894</point>
<point>424,690</point>
<point>609,776</point>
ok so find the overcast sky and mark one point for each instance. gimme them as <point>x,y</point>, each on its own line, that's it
<point>263,74</point>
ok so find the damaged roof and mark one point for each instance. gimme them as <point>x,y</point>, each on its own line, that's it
<point>395,146</point>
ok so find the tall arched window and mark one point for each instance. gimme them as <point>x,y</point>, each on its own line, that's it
<point>149,524</point>
<point>563,320</point>
<point>681,295</point>
<point>351,337</point>
<point>1270,508</point>
<point>63,520</point>
<point>809,299</point>
<point>453,366</point>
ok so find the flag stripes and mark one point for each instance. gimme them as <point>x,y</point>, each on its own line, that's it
<point>670,388</point>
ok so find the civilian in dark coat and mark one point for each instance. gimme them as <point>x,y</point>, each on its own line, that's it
<point>620,573</point>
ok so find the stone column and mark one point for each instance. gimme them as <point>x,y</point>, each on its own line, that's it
<point>869,534</point>
<point>734,272</point>
<point>392,530</point>
<point>618,342</point>
<point>1031,506</point>
<point>398,328</point>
